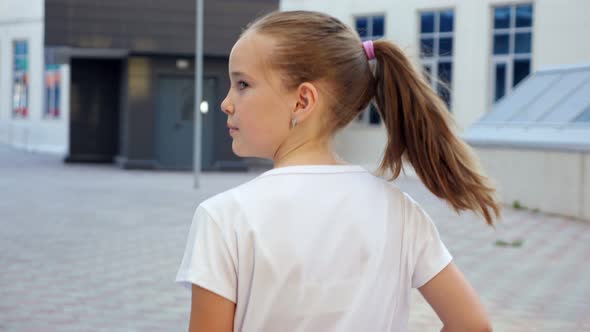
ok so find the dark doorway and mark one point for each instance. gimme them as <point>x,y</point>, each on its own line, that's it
<point>94,110</point>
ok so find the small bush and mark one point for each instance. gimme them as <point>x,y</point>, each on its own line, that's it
<point>515,243</point>
<point>501,243</point>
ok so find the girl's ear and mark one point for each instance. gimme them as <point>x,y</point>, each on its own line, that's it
<point>307,98</point>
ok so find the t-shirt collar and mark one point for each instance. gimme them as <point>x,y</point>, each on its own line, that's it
<point>315,169</point>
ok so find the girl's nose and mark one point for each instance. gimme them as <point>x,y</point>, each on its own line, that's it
<point>226,106</point>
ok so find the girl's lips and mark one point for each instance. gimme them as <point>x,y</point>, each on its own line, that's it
<point>232,129</point>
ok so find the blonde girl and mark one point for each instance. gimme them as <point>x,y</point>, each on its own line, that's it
<point>317,244</point>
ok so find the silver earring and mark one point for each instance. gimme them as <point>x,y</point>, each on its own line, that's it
<point>293,123</point>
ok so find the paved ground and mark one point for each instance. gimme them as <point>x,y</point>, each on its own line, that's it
<point>96,248</point>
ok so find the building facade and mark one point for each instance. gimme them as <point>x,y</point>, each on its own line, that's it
<point>114,80</point>
<point>475,51</point>
<point>21,79</point>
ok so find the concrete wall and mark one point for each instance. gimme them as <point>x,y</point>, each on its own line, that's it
<point>551,181</point>
<point>559,35</point>
<point>162,27</point>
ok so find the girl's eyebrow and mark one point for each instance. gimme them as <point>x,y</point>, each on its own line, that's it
<point>238,74</point>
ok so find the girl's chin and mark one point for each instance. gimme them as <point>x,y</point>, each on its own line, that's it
<point>238,150</point>
<point>242,152</point>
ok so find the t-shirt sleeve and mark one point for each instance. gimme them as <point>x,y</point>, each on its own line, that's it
<point>208,261</point>
<point>429,255</point>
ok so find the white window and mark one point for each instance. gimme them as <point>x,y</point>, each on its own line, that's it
<point>20,79</point>
<point>370,27</point>
<point>52,90</point>
<point>511,47</point>
<point>436,50</point>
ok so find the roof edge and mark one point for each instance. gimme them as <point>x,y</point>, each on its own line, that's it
<point>562,68</point>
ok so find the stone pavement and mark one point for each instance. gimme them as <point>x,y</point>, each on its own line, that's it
<point>96,248</point>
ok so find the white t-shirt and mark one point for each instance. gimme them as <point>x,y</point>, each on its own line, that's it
<point>313,248</point>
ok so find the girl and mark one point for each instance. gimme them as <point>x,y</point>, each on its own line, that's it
<point>316,244</point>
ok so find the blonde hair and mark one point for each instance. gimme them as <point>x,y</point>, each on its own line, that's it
<point>312,46</point>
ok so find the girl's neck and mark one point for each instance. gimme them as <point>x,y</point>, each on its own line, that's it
<point>307,153</point>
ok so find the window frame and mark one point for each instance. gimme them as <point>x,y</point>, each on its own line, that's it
<point>509,58</point>
<point>436,59</point>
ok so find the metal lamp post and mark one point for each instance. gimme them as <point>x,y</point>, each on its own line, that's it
<point>198,93</point>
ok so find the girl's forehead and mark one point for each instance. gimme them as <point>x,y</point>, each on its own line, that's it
<point>249,53</point>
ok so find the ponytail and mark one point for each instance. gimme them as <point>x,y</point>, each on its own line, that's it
<point>419,130</point>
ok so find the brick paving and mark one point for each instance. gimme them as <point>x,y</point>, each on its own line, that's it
<point>96,248</point>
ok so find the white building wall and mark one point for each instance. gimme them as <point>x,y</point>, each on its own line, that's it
<point>15,10</point>
<point>551,181</point>
<point>559,37</point>
<point>24,20</point>
<point>561,33</point>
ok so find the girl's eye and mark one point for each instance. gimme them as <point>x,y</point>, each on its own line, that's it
<point>242,85</point>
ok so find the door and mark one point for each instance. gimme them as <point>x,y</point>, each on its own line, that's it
<point>175,126</point>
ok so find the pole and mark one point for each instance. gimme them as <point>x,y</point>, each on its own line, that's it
<point>198,92</point>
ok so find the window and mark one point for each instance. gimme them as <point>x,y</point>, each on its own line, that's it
<point>511,47</point>
<point>436,50</point>
<point>370,28</point>
<point>52,90</point>
<point>20,83</point>
<point>370,115</point>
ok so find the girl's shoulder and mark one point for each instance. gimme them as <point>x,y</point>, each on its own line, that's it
<point>230,200</point>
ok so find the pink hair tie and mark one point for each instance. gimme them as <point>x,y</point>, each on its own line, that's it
<point>369,50</point>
